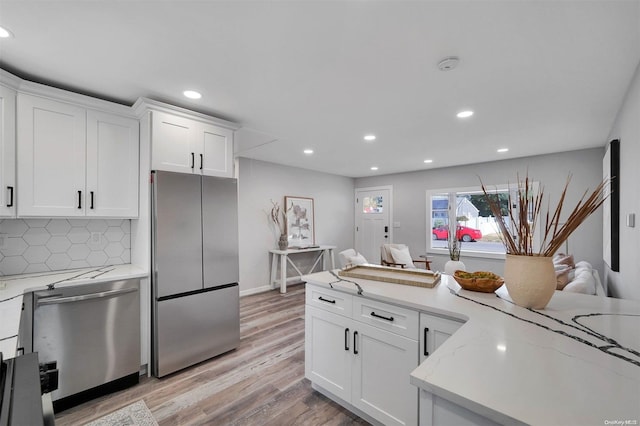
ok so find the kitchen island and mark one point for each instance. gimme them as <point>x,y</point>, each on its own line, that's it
<point>12,289</point>
<point>577,362</point>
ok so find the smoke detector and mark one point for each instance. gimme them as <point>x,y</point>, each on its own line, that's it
<point>448,63</point>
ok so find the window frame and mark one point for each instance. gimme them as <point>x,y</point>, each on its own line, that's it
<point>510,187</point>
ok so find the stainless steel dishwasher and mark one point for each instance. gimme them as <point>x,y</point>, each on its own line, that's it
<point>93,333</point>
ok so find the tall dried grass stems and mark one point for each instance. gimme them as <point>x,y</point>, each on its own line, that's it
<point>279,216</point>
<point>454,246</point>
<point>528,215</point>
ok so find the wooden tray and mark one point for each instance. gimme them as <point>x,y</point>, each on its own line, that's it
<point>414,277</point>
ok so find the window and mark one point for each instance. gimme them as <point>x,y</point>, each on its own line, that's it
<point>372,204</point>
<point>476,226</point>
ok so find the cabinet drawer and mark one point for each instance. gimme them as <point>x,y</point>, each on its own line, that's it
<point>402,321</point>
<point>329,300</point>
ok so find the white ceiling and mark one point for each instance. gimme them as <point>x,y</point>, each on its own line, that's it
<point>541,76</point>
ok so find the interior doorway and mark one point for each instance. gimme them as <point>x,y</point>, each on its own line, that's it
<point>373,216</point>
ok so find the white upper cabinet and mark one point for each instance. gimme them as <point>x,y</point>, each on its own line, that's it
<point>7,152</point>
<point>75,161</point>
<point>172,148</point>
<point>185,145</point>
<point>51,157</point>
<point>112,165</point>
<point>216,144</point>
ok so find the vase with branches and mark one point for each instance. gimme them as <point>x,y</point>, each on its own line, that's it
<point>279,219</point>
<point>455,246</point>
<point>529,273</point>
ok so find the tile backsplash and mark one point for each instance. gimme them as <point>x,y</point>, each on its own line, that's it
<point>40,245</point>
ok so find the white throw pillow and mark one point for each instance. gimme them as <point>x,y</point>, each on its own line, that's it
<point>358,259</point>
<point>402,256</point>
<point>583,283</point>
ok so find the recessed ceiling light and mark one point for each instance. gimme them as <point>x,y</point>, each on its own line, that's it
<point>374,168</point>
<point>503,150</point>
<point>5,33</point>
<point>192,94</point>
<point>428,161</point>
<point>464,114</point>
<point>308,151</point>
<point>370,137</point>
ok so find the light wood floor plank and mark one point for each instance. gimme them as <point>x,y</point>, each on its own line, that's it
<point>259,383</point>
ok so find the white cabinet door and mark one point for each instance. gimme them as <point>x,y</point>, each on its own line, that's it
<point>51,157</point>
<point>172,143</point>
<point>217,151</point>
<point>383,362</point>
<point>112,165</point>
<point>327,351</point>
<point>7,152</point>
<point>434,330</point>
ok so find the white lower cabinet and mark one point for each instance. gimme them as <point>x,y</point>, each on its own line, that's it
<point>366,366</point>
<point>434,330</point>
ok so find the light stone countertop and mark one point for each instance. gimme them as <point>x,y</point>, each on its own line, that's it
<point>577,362</point>
<point>14,286</point>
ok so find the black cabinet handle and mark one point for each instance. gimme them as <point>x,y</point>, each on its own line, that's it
<point>201,161</point>
<point>79,199</point>
<point>326,300</point>
<point>10,204</point>
<point>193,160</point>
<point>91,193</point>
<point>425,352</point>
<point>346,339</point>
<point>355,349</point>
<point>373,314</point>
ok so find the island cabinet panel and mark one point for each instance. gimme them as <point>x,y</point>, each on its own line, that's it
<point>7,152</point>
<point>434,330</point>
<point>327,354</point>
<point>73,161</point>
<point>382,363</point>
<point>362,360</point>
<point>184,145</point>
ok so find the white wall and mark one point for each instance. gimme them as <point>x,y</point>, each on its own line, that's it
<point>551,170</point>
<point>259,182</point>
<point>625,284</point>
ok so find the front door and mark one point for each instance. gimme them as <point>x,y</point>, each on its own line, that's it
<point>373,221</point>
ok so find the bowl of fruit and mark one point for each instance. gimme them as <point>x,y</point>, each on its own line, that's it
<point>483,281</point>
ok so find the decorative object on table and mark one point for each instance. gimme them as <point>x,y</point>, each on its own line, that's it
<point>529,273</point>
<point>414,277</point>
<point>299,222</point>
<point>136,414</point>
<point>611,207</point>
<point>279,219</point>
<point>482,281</point>
<point>454,245</point>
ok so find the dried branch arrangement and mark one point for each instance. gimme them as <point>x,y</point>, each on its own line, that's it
<point>279,216</point>
<point>529,214</point>
<point>454,246</point>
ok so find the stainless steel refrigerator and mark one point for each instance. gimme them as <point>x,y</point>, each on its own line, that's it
<point>195,305</point>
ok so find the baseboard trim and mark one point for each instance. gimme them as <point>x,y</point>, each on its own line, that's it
<point>256,290</point>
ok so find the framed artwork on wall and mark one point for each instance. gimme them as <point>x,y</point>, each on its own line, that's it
<point>300,222</point>
<point>611,207</point>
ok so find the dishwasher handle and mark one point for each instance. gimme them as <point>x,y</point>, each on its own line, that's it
<point>69,299</point>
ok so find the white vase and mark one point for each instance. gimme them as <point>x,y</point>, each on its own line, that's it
<point>530,280</point>
<point>452,266</point>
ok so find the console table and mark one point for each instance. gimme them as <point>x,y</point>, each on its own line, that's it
<point>324,252</point>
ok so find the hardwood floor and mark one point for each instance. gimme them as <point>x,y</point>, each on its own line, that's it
<point>260,383</point>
